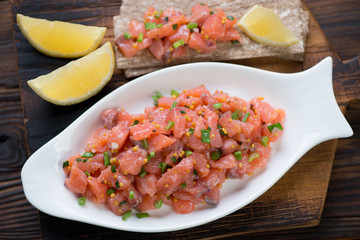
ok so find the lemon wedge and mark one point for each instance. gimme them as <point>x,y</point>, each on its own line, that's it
<point>264,26</point>
<point>78,80</point>
<point>60,39</point>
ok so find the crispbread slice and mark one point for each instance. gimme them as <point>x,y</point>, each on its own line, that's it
<point>290,12</point>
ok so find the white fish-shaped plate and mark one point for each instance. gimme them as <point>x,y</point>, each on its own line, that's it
<point>312,116</point>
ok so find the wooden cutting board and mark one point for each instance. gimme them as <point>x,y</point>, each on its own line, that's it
<point>295,201</point>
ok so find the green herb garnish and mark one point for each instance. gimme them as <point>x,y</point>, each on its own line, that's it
<point>217,105</point>
<point>158,203</point>
<point>150,25</point>
<point>140,37</point>
<point>264,141</point>
<point>205,135</point>
<point>88,155</point>
<point>238,155</point>
<point>142,215</point>
<point>215,155</point>
<point>127,35</point>
<point>275,125</point>
<point>173,105</point>
<point>126,215</point>
<point>253,156</point>
<point>65,164</point>
<point>236,115</point>
<point>81,201</point>
<point>106,159</point>
<point>170,125</point>
<point>178,43</point>
<point>246,117</point>
<point>162,166</point>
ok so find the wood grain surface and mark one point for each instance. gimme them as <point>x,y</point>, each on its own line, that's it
<point>341,212</point>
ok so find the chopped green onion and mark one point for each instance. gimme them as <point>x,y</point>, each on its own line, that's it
<point>191,131</point>
<point>215,155</point>
<point>117,185</point>
<point>186,106</point>
<point>110,191</point>
<point>170,125</point>
<point>113,169</point>
<point>174,92</point>
<point>88,155</point>
<point>238,155</point>
<point>159,25</point>
<point>166,19</point>
<point>192,25</point>
<point>246,117</point>
<point>135,122</point>
<point>230,17</point>
<point>145,143</point>
<point>195,172</point>
<point>205,135</point>
<point>158,14</point>
<point>140,37</point>
<point>142,173</point>
<point>142,215</point>
<point>131,195</point>
<point>158,203</point>
<point>173,105</point>
<point>275,125</point>
<point>65,164</point>
<point>127,35</point>
<point>264,141</point>
<point>85,160</point>
<point>156,96</point>
<point>236,115</point>
<point>162,166</point>
<point>174,26</point>
<point>122,203</point>
<point>173,159</point>
<point>126,215</point>
<point>178,43</point>
<point>235,41</point>
<point>183,185</point>
<point>79,159</point>
<point>217,105</point>
<point>219,127</point>
<point>152,154</point>
<point>81,201</point>
<point>150,25</point>
<point>182,112</point>
<point>253,156</point>
<point>106,159</point>
<point>87,173</point>
<point>188,153</point>
<point>211,12</point>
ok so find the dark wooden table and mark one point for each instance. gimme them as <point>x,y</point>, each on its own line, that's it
<point>340,21</point>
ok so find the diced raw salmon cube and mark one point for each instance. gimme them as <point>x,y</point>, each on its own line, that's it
<point>118,136</point>
<point>98,190</point>
<point>132,160</point>
<point>183,206</point>
<point>77,180</point>
<point>118,204</point>
<point>146,184</point>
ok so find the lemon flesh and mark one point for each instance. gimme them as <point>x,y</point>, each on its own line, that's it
<point>78,80</point>
<point>60,39</point>
<point>264,26</point>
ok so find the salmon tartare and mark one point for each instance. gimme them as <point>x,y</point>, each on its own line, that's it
<point>167,33</point>
<point>177,152</point>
